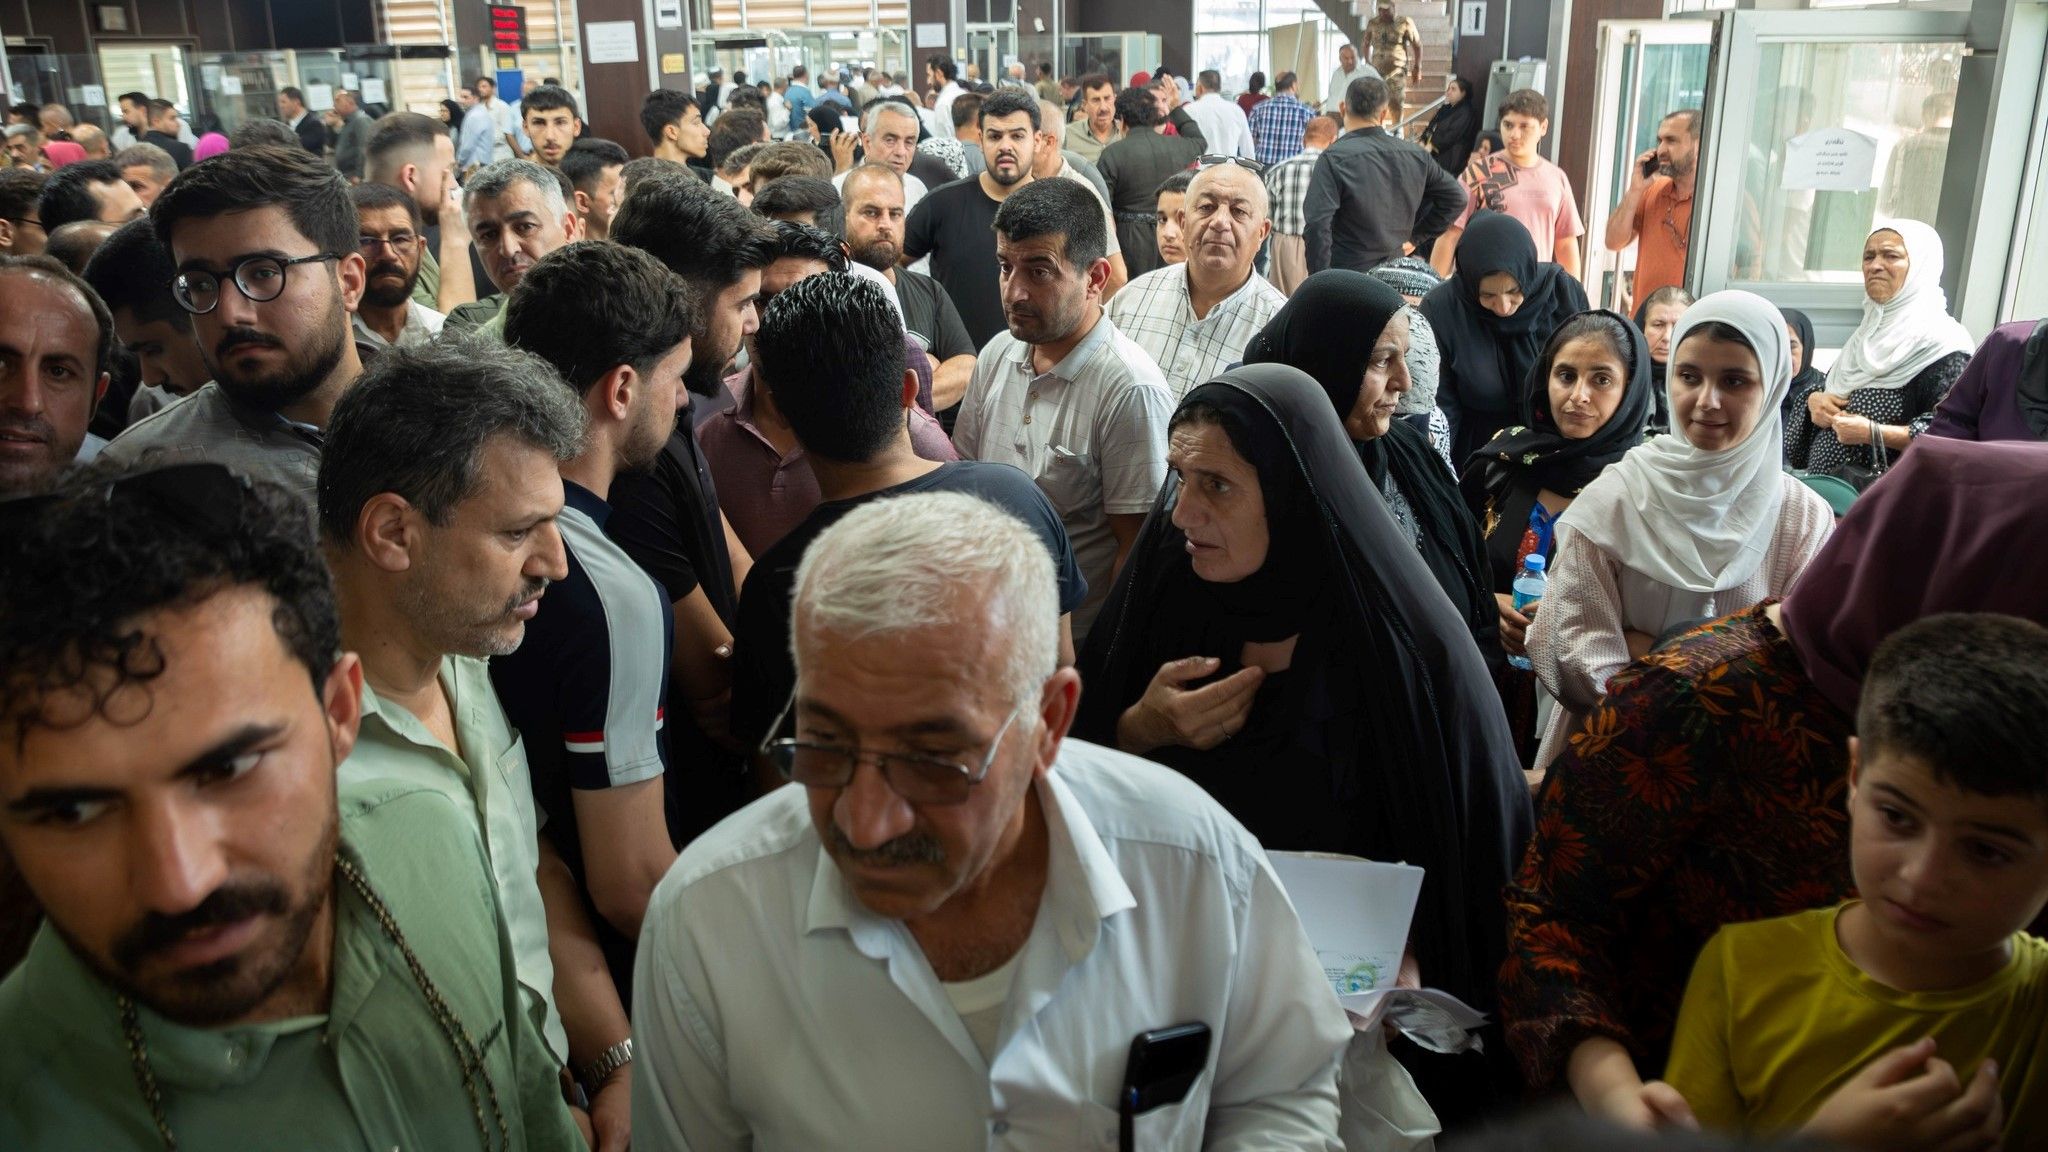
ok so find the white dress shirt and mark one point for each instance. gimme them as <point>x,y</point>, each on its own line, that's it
<point>1340,83</point>
<point>1091,431</point>
<point>773,1011</point>
<point>1156,312</point>
<point>1224,126</point>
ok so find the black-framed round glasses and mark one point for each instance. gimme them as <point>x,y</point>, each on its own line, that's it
<point>922,780</point>
<point>260,278</point>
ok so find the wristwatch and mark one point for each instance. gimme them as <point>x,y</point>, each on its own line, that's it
<point>595,1073</point>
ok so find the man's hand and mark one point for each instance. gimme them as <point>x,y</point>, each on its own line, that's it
<point>1637,182</point>
<point>1910,1099</point>
<point>843,144</point>
<point>1199,719</point>
<point>611,1112</point>
<point>453,222</point>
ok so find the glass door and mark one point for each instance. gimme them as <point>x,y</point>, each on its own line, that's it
<point>1646,69</point>
<point>1828,123</point>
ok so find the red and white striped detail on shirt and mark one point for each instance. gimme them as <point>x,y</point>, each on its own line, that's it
<point>589,742</point>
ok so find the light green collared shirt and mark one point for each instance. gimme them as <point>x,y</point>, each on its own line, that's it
<point>374,1073</point>
<point>394,745</point>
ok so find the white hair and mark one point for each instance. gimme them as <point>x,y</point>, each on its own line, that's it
<point>1052,120</point>
<point>938,559</point>
<point>881,108</point>
<point>498,179</point>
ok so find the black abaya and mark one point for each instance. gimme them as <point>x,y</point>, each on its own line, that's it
<point>1385,738</point>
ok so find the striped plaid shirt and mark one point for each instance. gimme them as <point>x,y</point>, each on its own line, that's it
<point>1277,125</point>
<point>1287,188</point>
<point>1154,310</point>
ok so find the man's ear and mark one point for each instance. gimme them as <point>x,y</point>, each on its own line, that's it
<point>615,390</point>
<point>909,388</point>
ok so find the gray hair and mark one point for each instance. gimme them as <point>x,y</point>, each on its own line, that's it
<point>879,108</point>
<point>497,179</point>
<point>14,130</point>
<point>148,156</point>
<point>1052,120</point>
<point>937,559</point>
<point>418,419</point>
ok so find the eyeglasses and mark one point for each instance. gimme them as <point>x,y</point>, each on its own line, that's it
<point>206,498</point>
<point>400,243</point>
<point>25,220</point>
<point>921,780</point>
<point>259,279</point>
<point>1241,162</point>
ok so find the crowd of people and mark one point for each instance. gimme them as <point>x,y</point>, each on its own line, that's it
<point>437,543</point>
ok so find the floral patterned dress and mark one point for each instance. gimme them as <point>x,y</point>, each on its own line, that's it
<point>1706,789</point>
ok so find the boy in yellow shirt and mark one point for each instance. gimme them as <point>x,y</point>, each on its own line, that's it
<point>1916,1017</point>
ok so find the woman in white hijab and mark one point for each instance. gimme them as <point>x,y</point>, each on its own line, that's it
<point>1697,523</point>
<point>1896,367</point>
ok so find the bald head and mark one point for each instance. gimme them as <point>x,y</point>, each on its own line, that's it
<point>1321,132</point>
<point>1223,222</point>
<point>1231,185</point>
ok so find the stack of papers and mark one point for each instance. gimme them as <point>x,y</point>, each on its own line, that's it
<point>1357,913</point>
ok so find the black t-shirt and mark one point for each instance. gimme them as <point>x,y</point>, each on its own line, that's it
<point>929,315</point>
<point>955,225</point>
<point>667,520</point>
<point>763,673</point>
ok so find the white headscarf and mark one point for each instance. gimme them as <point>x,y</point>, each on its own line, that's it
<point>1906,333</point>
<point>1690,518</point>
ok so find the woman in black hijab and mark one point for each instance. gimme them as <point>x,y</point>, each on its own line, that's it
<point>1596,365</point>
<point>1274,636</point>
<point>1657,318</point>
<point>1454,129</point>
<point>1491,319</point>
<point>1349,332</point>
<point>1806,379</point>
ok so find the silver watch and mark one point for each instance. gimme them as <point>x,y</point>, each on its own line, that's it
<point>609,1061</point>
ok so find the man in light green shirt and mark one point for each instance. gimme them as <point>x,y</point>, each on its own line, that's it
<point>437,509</point>
<point>237,954</point>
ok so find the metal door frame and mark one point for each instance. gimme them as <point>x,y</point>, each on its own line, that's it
<point>1617,70</point>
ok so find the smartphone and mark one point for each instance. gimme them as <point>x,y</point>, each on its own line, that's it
<point>1649,165</point>
<point>1164,1064</point>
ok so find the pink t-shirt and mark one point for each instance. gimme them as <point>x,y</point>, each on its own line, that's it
<point>1540,196</point>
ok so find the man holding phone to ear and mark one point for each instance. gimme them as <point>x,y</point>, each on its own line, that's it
<point>1656,210</point>
<point>952,932</point>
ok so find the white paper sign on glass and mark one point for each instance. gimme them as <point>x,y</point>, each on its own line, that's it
<point>1831,160</point>
<point>611,42</point>
<point>230,85</point>
<point>319,97</point>
<point>373,91</point>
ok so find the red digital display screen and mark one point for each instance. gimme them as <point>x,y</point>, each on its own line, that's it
<point>508,28</point>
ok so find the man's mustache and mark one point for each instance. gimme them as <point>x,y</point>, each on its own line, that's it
<point>226,905</point>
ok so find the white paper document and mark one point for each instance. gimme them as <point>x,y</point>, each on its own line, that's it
<point>1357,913</point>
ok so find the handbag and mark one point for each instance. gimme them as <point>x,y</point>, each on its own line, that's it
<point>1840,485</point>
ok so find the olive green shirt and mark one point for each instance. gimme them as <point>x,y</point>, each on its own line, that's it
<point>375,1073</point>
<point>486,774</point>
<point>427,289</point>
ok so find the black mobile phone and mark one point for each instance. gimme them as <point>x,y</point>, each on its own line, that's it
<point>1649,165</point>
<point>1164,1064</point>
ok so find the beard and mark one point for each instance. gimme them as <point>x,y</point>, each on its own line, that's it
<point>1033,326</point>
<point>881,255</point>
<point>387,297</point>
<point>303,371</point>
<point>452,621</point>
<point>706,373</point>
<point>228,989</point>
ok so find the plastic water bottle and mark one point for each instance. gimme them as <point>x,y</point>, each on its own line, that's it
<point>1529,588</point>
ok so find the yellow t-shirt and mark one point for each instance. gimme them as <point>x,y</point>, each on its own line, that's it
<point>1776,1017</point>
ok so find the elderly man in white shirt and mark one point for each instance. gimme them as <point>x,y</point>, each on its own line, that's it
<point>949,935</point>
<point>1061,393</point>
<point>1224,124</point>
<point>1349,68</point>
<point>1195,318</point>
<point>889,136</point>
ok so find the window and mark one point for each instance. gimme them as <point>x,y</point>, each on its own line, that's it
<point>1884,105</point>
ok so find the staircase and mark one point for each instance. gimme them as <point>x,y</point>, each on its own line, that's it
<point>1433,18</point>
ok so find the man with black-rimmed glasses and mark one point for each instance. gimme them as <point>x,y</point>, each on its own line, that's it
<point>265,245</point>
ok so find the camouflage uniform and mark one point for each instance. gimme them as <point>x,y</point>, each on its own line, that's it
<point>1387,41</point>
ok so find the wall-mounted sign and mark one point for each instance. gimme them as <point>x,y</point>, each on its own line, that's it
<point>930,36</point>
<point>508,27</point>
<point>1472,18</point>
<point>611,42</point>
<point>668,13</point>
